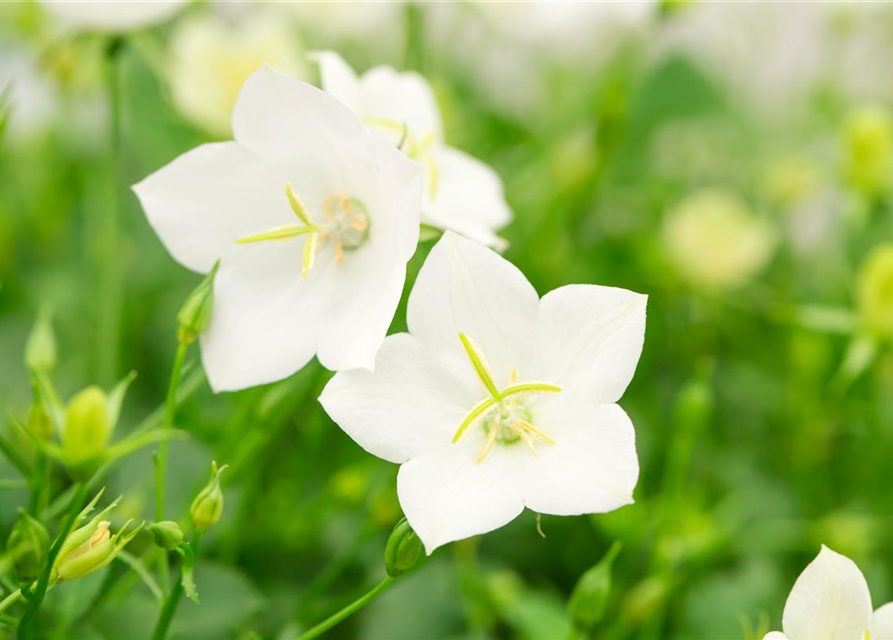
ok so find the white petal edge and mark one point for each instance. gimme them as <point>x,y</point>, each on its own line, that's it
<point>775,635</point>
<point>882,623</point>
<point>337,78</point>
<point>830,600</point>
<point>403,97</point>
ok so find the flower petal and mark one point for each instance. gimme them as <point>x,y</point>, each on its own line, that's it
<point>591,468</point>
<point>404,98</point>
<point>337,78</point>
<point>468,198</point>
<point>830,599</point>
<point>112,16</point>
<point>590,336</point>
<point>276,115</point>
<point>446,496</point>
<point>204,200</point>
<point>882,623</point>
<point>412,402</point>
<point>775,635</point>
<point>464,287</point>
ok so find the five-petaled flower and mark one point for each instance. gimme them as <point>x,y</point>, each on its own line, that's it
<point>461,193</point>
<point>496,400</point>
<point>830,601</point>
<point>313,220</point>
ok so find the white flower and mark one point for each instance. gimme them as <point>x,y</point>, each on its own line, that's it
<point>496,400</point>
<point>212,57</point>
<point>313,220</point>
<point>462,193</point>
<point>114,16</point>
<point>830,601</point>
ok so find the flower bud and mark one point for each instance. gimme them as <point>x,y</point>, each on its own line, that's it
<point>167,534</point>
<point>208,505</point>
<point>874,292</point>
<point>40,349</point>
<point>91,548</point>
<point>195,315</point>
<point>28,543</point>
<point>589,598</point>
<point>868,149</point>
<point>88,426</point>
<point>402,550</point>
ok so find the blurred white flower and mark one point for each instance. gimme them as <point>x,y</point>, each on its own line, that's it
<point>29,95</point>
<point>112,16</point>
<point>212,57</point>
<point>313,220</point>
<point>496,400</point>
<point>830,601</point>
<point>461,193</point>
<point>715,242</point>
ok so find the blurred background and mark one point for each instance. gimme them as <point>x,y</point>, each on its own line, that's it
<point>733,161</point>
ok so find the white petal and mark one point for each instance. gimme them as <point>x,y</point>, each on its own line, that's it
<point>468,199</point>
<point>337,78</point>
<point>882,623</point>
<point>112,16</point>
<point>414,400</point>
<point>404,98</point>
<point>463,287</point>
<point>830,600</point>
<point>446,496</point>
<point>276,115</point>
<point>775,635</point>
<point>591,468</point>
<point>200,203</point>
<point>590,337</point>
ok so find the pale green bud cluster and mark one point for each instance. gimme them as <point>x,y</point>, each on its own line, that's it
<point>208,505</point>
<point>589,599</point>
<point>402,550</point>
<point>195,314</point>
<point>29,544</point>
<point>868,149</point>
<point>40,348</point>
<point>874,292</point>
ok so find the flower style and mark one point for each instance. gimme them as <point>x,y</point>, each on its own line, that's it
<point>496,400</point>
<point>121,15</point>
<point>830,601</point>
<point>313,220</point>
<point>461,193</point>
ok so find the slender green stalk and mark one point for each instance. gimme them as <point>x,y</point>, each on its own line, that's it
<point>110,289</point>
<point>26,626</point>
<point>347,611</point>
<point>161,459</point>
<point>10,600</point>
<point>169,608</point>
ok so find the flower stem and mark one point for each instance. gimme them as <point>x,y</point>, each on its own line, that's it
<point>169,608</point>
<point>9,600</point>
<point>26,626</point>
<point>170,408</point>
<point>347,611</point>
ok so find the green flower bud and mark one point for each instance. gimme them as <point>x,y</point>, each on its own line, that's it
<point>195,315</point>
<point>40,349</point>
<point>88,426</point>
<point>91,548</point>
<point>208,505</point>
<point>589,598</point>
<point>28,543</point>
<point>167,534</point>
<point>874,292</point>
<point>402,550</point>
<point>868,149</point>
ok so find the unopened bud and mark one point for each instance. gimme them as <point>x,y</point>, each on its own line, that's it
<point>589,598</point>
<point>91,548</point>
<point>167,534</point>
<point>402,550</point>
<point>88,426</point>
<point>208,505</point>
<point>874,292</point>
<point>28,543</point>
<point>40,349</point>
<point>195,315</point>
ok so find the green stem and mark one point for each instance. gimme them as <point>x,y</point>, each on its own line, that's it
<point>11,599</point>
<point>347,611</point>
<point>169,608</point>
<point>110,293</point>
<point>26,626</point>
<point>170,409</point>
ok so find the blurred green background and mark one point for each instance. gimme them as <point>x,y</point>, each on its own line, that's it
<point>733,161</point>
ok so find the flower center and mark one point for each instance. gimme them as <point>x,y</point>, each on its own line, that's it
<point>346,225</point>
<point>505,416</point>
<point>417,148</point>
